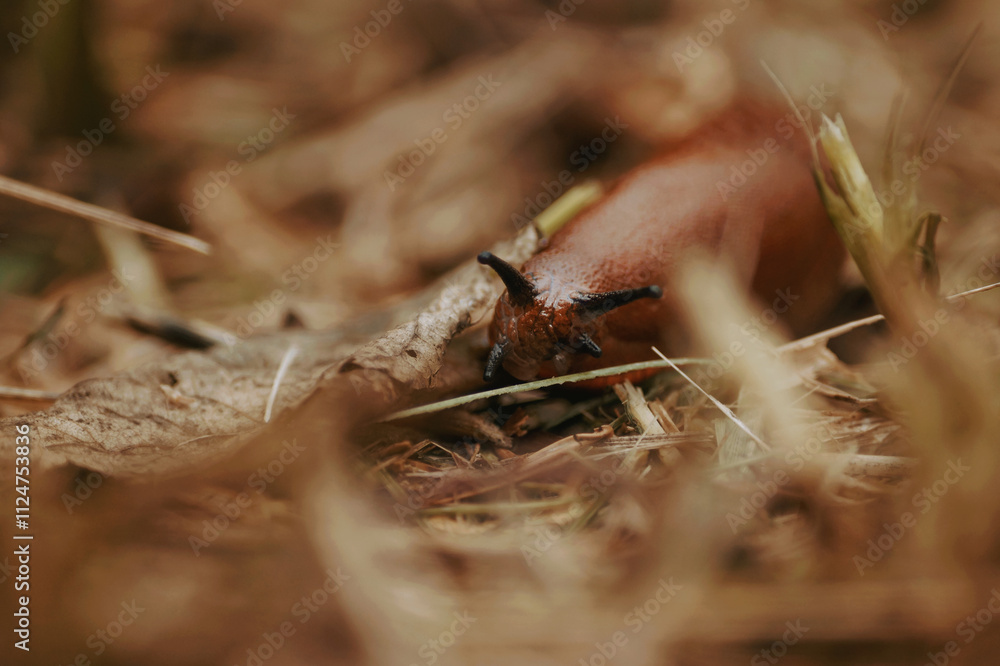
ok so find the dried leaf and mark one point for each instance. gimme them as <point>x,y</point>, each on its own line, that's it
<point>127,425</point>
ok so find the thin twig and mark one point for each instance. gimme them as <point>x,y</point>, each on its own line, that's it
<point>836,331</point>
<point>17,393</point>
<point>718,403</point>
<point>63,204</point>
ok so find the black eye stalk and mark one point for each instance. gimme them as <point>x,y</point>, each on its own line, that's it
<point>595,304</point>
<point>521,291</point>
<point>585,343</point>
<point>493,362</point>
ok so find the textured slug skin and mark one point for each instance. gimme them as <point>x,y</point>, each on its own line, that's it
<point>772,229</point>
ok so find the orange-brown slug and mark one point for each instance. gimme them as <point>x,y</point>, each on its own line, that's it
<point>601,293</point>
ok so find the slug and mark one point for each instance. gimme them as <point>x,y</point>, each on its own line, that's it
<point>740,189</point>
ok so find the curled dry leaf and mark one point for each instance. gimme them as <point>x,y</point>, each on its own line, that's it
<point>192,408</point>
<point>133,424</point>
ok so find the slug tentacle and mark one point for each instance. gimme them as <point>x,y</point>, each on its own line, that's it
<point>588,345</point>
<point>493,362</point>
<point>602,303</point>
<point>519,287</point>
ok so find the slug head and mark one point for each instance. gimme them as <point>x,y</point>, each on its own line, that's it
<point>535,322</point>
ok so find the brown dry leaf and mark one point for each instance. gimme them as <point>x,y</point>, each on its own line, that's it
<point>127,425</point>
<point>132,423</point>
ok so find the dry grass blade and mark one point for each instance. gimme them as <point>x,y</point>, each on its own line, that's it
<point>567,207</point>
<point>34,395</point>
<point>538,384</point>
<point>97,214</point>
<point>460,484</point>
<point>823,336</point>
<point>635,404</point>
<point>638,409</point>
<point>715,401</point>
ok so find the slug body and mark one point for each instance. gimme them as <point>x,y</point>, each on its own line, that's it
<point>601,292</point>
